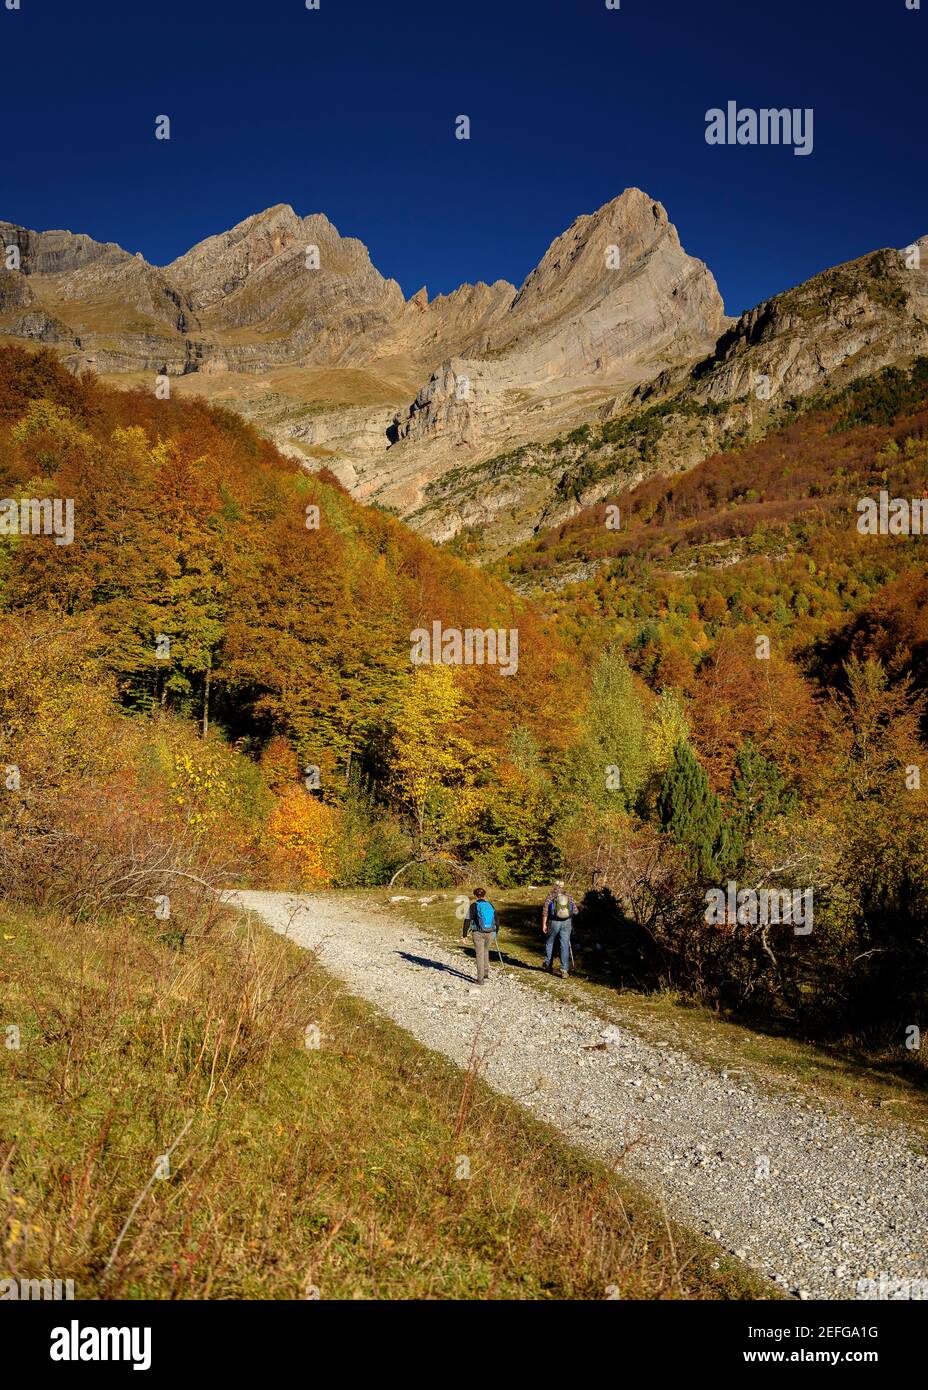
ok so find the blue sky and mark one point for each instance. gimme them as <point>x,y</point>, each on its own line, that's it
<point>350,110</point>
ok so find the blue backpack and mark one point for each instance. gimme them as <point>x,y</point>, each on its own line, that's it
<point>484,916</point>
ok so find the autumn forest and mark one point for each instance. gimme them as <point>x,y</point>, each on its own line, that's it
<point>213,683</point>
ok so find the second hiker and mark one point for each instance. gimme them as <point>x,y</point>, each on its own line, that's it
<point>557,919</point>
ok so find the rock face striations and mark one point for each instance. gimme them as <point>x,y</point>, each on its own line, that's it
<point>841,324</point>
<point>462,411</point>
<point>102,307</point>
<point>280,288</point>
<point>276,289</point>
<point>616,286</point>
<point>613,301</point>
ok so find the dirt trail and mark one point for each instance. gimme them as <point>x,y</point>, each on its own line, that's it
<point>803,1192</point>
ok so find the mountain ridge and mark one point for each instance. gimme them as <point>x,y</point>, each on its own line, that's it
<point>465,411</point>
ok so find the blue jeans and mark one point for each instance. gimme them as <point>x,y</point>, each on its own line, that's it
<point>559,931</point>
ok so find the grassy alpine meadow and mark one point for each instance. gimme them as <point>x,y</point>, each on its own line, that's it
<point>206,1114</point>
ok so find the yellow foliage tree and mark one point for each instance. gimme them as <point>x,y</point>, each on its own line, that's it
<point>279,764</point>
<point>668,727</point>
<point>428,756</point>
<point>303,835</point>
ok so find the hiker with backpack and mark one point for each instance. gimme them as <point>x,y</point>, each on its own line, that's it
<point>557,919</point>
<point>481,923</point>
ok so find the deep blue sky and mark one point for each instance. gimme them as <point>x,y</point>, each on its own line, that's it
<point>349,110</point>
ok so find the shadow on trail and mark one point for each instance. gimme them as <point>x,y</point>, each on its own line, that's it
<point>433,965</point>
<point>499,957</point>
<point>507,961</point>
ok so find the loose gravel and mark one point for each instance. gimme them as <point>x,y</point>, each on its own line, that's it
<point>803,1193</point>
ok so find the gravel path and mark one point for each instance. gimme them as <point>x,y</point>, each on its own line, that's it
<point>842,1201</point>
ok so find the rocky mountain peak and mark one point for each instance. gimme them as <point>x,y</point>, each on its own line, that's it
<point>622,273</point>
<point>220,264</point>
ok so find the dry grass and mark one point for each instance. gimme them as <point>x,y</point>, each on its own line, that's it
<point>286,388</point>
<point>292,1168</point>
<point>108,314</point>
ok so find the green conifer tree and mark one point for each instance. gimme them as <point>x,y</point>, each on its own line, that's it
<point>690,811</point>
<point>758,792</point>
